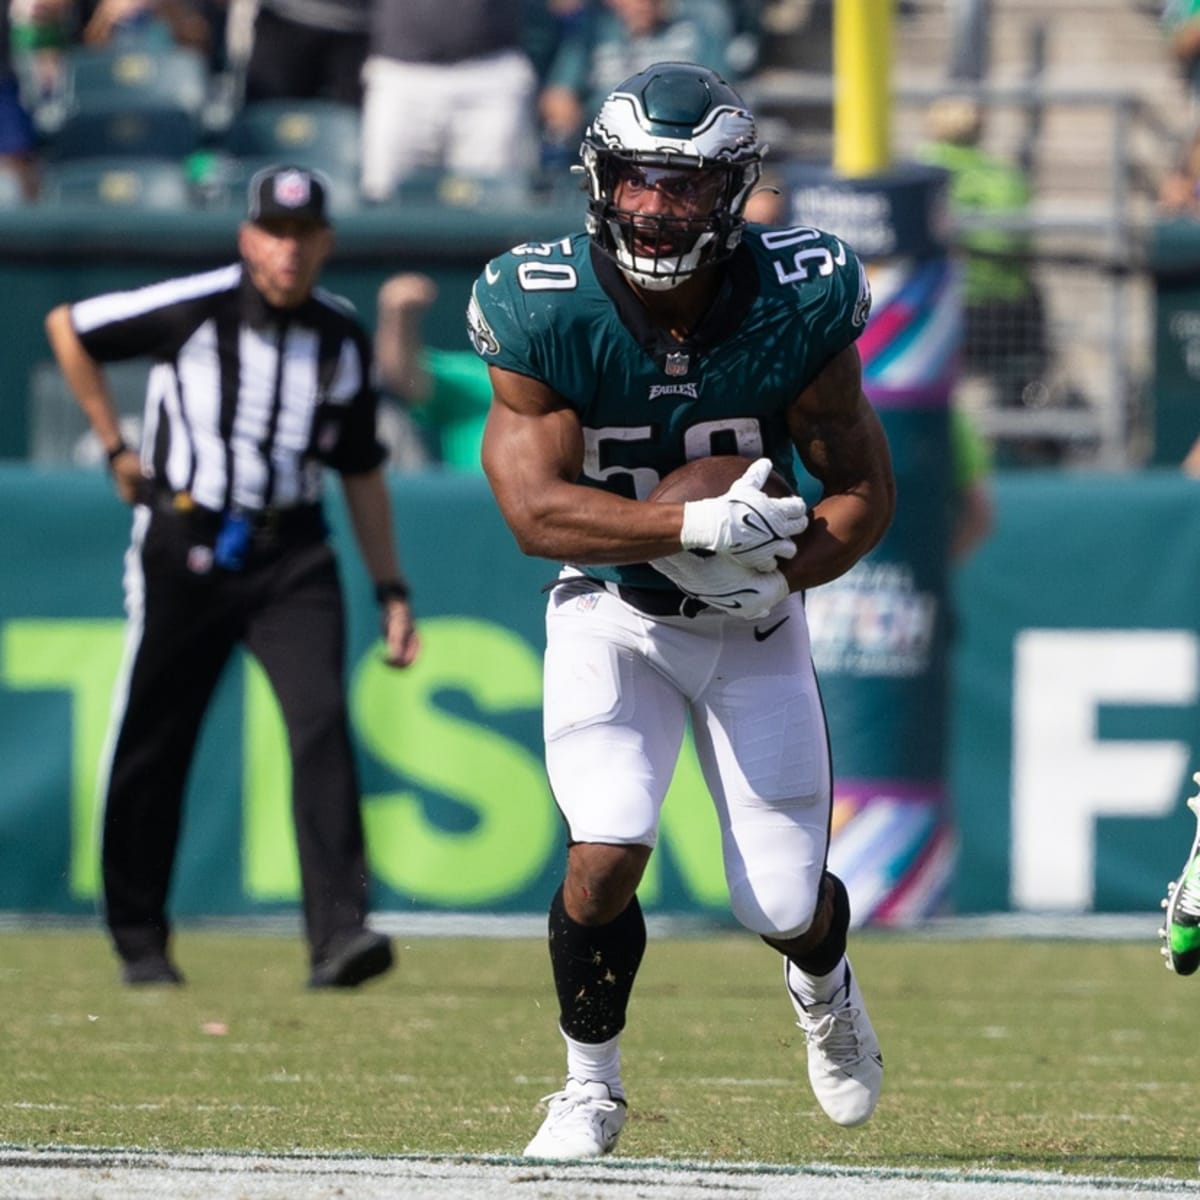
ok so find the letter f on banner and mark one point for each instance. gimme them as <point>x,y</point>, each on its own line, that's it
<point>1064,776</point>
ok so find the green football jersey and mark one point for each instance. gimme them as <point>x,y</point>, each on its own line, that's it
<point>561,312</point>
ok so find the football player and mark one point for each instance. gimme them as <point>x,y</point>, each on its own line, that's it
<point>670,331</point>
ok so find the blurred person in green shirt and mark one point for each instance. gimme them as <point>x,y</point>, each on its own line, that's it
<point>971,454</point>
<point>447,391</point>
<point>1004,324</point>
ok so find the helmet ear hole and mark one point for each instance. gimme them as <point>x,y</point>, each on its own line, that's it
<point>678,117</point>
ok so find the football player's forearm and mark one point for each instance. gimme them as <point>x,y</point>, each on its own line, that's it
<point>570,523</point>
<point>843,528</point>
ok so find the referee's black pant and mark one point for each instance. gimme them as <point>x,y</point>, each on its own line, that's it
<point>285,606</point>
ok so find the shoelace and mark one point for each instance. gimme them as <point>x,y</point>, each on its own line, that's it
<point>835,1035</point>
<point>563,1105</point>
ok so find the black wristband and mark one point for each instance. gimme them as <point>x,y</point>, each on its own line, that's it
<point>118,449</point>
<point>394,589</point>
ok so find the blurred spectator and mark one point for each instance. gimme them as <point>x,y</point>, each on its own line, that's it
<point>544,26</point>
<point>742,53</point>
<point>215,14</point>
<point>43,32</point>
<point>614,40</point>
<point>38,32</point>
<point>18,142</point>
<point>1004,335</point>
<point>145,22</point>
<point>305,49</point>
<point>447,92</point>
<point>1181,25</point>
<point>1179,191</point>
<point>448,391</point>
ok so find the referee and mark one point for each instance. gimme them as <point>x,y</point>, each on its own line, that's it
<point>260,380</point>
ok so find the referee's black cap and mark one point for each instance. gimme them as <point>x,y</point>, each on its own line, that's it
<point>282,192</point>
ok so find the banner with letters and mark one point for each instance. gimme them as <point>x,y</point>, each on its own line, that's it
<point>1075,714</point>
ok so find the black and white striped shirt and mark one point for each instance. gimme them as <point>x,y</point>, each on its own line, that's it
<point>245,402</point>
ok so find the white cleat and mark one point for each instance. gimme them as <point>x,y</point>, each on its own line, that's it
<point>584,1121</point>
<point>845,1066</point>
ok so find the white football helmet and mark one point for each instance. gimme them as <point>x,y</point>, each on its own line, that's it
<point>677,118</point>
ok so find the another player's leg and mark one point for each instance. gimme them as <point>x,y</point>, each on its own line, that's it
<point>1181,929</point>
<point>594,967</point>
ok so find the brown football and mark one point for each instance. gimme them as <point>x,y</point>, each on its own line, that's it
<point>705,477</point>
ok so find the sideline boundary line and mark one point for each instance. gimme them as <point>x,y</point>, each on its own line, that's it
<point>217,1162</point>
<point>1137,926</point>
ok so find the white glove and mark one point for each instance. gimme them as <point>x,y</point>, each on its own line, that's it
<point>745,523</point>
<point>724,584</point>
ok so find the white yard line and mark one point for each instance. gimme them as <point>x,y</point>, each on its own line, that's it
<point>78,1174</point>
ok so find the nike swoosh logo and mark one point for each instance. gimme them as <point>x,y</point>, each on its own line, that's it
<point>490,275</point>
<point>761,635</point>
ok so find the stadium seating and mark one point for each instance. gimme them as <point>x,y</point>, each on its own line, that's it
<point>223,180</point>
<point>173,77</point>
<point>319,134</point>
<point>142,100</point>
<point>141,132</point>
<point>116,183</point>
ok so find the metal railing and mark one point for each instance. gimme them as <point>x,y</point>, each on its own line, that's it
<point>1088,409</point>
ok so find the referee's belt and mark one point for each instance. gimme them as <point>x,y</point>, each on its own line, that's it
<point>657,602</point>
<point>297,523</point>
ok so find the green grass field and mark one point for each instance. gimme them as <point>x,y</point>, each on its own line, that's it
<point>1068,1056</point>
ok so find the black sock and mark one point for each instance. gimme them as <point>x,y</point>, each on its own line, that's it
<point>594,968</point>
<point>822,959</point>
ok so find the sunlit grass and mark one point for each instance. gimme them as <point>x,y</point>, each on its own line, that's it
<point>1029,1055</point>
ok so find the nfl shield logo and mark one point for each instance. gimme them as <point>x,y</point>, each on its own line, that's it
<point>291,189</point>
<point>677,364</point>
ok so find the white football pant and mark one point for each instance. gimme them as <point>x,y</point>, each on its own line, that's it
<point>619,689</point>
